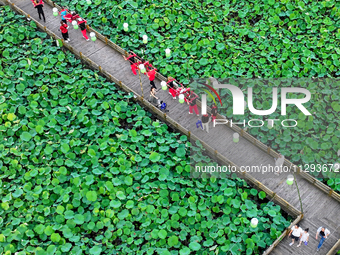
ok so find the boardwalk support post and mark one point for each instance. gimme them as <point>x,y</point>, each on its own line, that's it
<point>106,40</point>
<point>330,193</point>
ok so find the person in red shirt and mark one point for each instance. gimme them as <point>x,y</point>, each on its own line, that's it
<point>132,60</point>
<point>152,74</point>
<point>213,112</point>
<point>71,16</point>
<point>82,25</point>
<point>64,31</point>
<point>171,86</point>
<point>192,103</point>
<point>34,2</point>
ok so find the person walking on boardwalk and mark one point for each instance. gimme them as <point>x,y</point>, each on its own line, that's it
<point>153,98</point>
<point>152,74</point>
<point>35,4</point>
<point>205,122</point>
<point>192,103</point>
<point>213,112</point>
<point>63,13</point>
<point>278,164</point>
<point>171,86</point>
<point>133,63</point>
<point>39,5</point>
<point>64,31</point>
<point>323,233</point>
<point>304,237</point>
<point>295,233</point>
<point>71,16</point>
<point>82,24</point>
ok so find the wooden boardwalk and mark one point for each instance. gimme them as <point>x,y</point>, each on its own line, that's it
<point>319,209</point>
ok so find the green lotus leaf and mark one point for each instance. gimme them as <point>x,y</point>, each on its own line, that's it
<point>25,136</point>
<point>162,234</point>
<point>91,196</point>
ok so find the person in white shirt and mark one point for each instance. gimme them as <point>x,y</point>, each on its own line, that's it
<point>278,164</point>
<point>323,233</point>
<point>295,233</point>
<point>304,237</point>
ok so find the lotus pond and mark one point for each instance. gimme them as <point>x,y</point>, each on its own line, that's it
<point>313,143</point>
<point>223,39</point>
<point>86,170</point>
<point>250,39</point>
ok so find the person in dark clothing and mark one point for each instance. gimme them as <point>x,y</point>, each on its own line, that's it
<point>205,122</point>
<point>64,31</point>
<point>213,112</point>
<point>192,104</point>
<point>39,6</point>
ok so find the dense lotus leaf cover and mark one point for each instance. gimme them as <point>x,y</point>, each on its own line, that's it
<point>250,39</point>
<point>314,144</point>
<point>266,38</point>
<point>79,174</point>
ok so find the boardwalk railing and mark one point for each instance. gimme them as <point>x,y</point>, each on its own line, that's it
<point>291,210</point>
<point>334,249</point>
<point>237,129</point>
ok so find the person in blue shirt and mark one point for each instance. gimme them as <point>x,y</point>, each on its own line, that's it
<point>62,13</point>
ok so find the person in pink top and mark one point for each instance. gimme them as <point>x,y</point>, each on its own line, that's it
<point>39,2</point>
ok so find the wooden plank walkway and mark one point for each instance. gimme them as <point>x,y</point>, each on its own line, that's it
<point>319,209</point>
